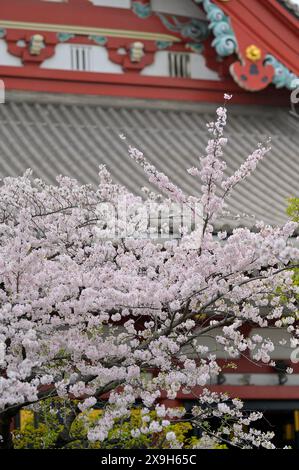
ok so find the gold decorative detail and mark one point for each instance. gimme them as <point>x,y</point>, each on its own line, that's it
<point>253,53</point>
<point>136,51</point>
<point>36,44</point>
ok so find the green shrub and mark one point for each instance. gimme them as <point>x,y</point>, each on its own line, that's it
<point>43,432</point>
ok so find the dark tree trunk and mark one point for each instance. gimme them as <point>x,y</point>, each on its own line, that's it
<point>6,441</point>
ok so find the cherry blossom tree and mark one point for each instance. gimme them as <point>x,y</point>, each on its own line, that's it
<point>90,316</point>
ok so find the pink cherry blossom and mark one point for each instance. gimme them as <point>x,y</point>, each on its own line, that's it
<point>86,313</point>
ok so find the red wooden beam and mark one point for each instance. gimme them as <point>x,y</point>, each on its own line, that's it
<point>79,13</point>
<point>247,366</point>
<point>249,392</point>
<point>134,86</point>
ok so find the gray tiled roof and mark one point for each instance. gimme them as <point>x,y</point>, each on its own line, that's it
<point>72,137</point>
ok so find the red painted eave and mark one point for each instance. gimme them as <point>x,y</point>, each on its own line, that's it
<point>135,86</point>
<point>251,392</point>
<point>270,26</point>
<point>83,14</point>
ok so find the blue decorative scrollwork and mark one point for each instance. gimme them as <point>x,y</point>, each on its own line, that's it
<point>163,44</point>
<point>195,47</point>
<point>291,5</point>
<point>141,10</point>
<point>100,40</point>
<point>225,41</point>
<point>194,29</point>
<point>63,37</point>
<point>2,33</point>
<point>283,78</point>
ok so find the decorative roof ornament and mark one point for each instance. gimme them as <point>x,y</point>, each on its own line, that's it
<point>163,44</point>
<point>292,5</point>
<point>63,37</point>
<point>143,10</point>
<point>253,53</point>
<point>36,44</point>
<point>195,47</point>
<point>136,51</point>
<point>100,40</point>
<point>283,78</point>
<point>194,29</point>
<point>225,41</point>
<point>252,74</point>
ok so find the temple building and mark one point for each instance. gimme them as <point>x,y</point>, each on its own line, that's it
<point>79,73</point>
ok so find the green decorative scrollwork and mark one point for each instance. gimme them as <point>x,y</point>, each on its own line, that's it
<point>195,47</point>
<point>283,78</point>
<point>63,37</point>
<point>100,40</point>
<point>142,10</point>
<point>225,41</point>
<point>194,29</point>
<point>163,44</point>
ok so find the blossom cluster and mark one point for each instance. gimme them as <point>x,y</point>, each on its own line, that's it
<point>90,318</point>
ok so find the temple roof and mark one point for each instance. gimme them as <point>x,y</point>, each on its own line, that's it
<point>253,43</point>
<point>73,135</point>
